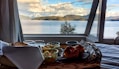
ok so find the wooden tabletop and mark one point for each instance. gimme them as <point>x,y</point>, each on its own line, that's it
<point>70,66</point>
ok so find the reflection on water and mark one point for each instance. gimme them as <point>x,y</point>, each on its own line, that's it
<point>50,27</point>
<point>54,27</point>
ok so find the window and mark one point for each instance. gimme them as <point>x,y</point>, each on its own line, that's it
<point>94,28</point>
<point>112,19</point>
<point>54,16</point>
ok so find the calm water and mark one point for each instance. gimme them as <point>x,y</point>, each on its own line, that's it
<point>54,27</point>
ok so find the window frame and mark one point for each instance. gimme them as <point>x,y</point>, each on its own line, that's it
<point>101,24</point>
<point>90,22</point>
<point>102,14</point>
<point>53,37</point>
<point>85,36</point>
<point>107,40</point>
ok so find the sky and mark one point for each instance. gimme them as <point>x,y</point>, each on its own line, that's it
<point>112,8</point>
<point>36,8</point>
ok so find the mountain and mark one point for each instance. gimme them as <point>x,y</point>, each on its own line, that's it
<point>67,17</point>
<point>75,17</point>
<point>113,18</point>
<point>24,17</point>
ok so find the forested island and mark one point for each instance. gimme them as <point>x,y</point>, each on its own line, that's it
<point>67,17</point>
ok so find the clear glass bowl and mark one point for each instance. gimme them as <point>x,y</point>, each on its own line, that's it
<point>72,43</point>
<point>55,44</point>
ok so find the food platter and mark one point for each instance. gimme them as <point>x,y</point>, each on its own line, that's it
<point>91,53</point>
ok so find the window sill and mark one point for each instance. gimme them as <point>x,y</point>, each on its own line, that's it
<point>58,37</point>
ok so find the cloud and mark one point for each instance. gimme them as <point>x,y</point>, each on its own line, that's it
<point>112,10</point>
<point>114,5</point>
<point>28,1</point>
<point>111,13</point>
<point>85,1</point>
<point>34,8</point>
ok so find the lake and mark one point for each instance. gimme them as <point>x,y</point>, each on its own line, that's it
<point>54,27</point>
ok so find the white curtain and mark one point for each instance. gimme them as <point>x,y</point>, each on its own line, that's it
<point>10,27</point>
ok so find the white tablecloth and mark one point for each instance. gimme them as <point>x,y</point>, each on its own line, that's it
<point>22,57</point>
<point>110,56</point>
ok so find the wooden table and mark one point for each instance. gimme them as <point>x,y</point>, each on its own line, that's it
<point>70,66</point>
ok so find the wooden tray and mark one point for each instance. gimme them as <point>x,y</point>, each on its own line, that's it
<point>90,61</point>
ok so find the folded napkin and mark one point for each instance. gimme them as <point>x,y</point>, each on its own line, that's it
<point>23,57</point>
<point>2,43</point>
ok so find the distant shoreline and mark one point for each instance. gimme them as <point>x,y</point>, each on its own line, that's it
<point>64,18</point>
<point>60,18</point>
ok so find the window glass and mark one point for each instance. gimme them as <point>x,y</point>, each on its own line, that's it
<point>95,24</point>
<point>112,19</point>
<point>54,16</point>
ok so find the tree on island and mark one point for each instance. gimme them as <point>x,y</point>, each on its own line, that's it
<point>66,28</point>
